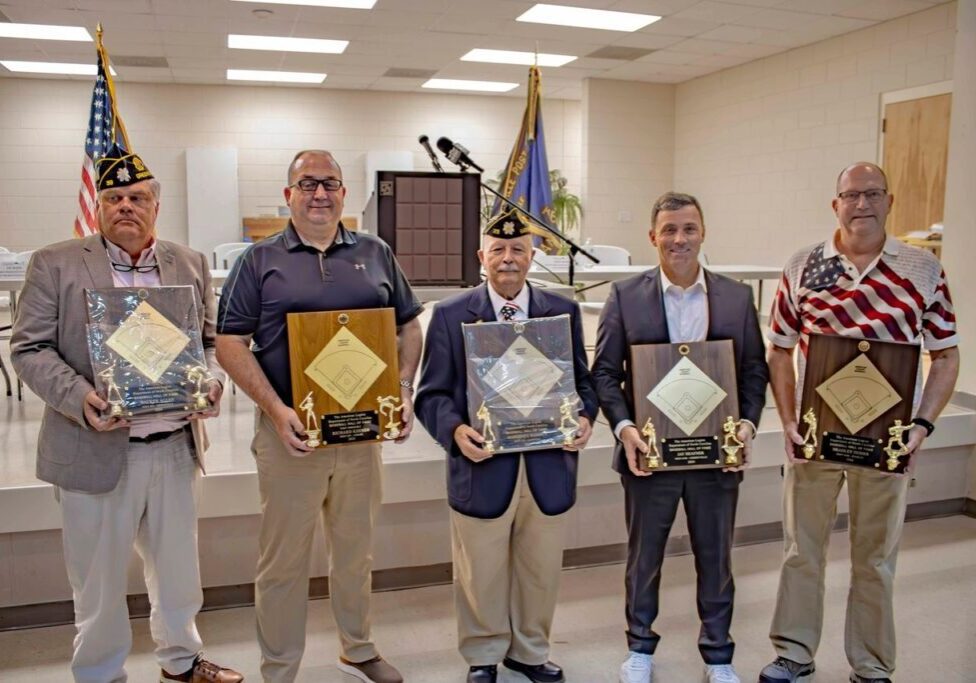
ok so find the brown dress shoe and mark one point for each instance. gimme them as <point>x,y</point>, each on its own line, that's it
<point>374,670</point>
<point>203,671</point>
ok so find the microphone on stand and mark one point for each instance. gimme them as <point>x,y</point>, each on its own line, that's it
<point>457,154</point>
<point>425,142</point>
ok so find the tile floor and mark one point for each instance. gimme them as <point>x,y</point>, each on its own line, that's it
<point>936,611</point>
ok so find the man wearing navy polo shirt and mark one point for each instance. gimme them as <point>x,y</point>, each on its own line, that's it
<point>315,264</point>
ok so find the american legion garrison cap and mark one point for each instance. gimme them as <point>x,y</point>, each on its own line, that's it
<point>120,168</point>
<point>508,225</point>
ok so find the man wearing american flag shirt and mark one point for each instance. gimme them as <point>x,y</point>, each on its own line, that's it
<point>860,283</point>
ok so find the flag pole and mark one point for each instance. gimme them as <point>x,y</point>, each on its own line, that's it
<point>117,123</point>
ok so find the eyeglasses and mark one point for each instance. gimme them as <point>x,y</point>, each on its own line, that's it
<point>853,196</point>
<point>312,184</point>
<point>123,268</point>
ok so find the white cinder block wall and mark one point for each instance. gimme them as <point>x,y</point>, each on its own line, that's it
<point>761,144</point>
<point>43,121</point>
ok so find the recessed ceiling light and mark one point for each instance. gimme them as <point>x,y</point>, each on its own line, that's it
<point>283,44</point>
<point>53,68</point>
<point>480,86</point>
<point>344,4</point>
<point>45,32</point>
<point>274,76</point>
<point>581,17</point>
<point>515,57</point>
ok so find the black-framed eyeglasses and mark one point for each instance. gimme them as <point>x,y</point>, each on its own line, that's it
<point>312,184</point>
<point>124,268</point>
<point>853,196</point>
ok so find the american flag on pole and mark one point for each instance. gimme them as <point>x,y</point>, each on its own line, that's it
<point>105,127</point>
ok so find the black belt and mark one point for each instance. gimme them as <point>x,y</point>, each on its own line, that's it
<point>157,436</point>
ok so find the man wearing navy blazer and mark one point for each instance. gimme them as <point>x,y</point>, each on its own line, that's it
<point>679,301</point>
<point>507,510</point>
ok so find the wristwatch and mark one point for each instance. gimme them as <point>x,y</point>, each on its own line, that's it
<point>922,422</point>
<point>407,384</point>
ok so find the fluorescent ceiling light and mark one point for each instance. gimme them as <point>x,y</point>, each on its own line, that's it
<point>581,17</point>
<point>53,68</point>
<point>283,44</point>
<point>45,32</point>
<point>274,76</point>
<point>480,86</point>
<point>515,57</point>
<point>344,4</point>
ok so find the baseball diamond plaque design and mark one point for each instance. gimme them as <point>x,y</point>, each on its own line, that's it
<point>685,396</point>
<point>857,402</point>
<point>344,375</point>
<point>521,383</point>
<point>146,351</point>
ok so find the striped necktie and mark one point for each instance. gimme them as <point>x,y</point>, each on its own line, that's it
<point>509,310</point>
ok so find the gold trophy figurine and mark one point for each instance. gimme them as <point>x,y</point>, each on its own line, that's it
<point>199,374</point>
<point>112,393</point>
<point>486,429</point>
<point>896,444</point>
<point>653,454</point>
<point>567,423</point>
<point>810,438</point>
<point>388,407</point>
<point>733,444</point>
<point>311,423</point>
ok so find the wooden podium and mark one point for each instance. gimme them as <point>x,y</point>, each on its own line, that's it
<point>344,375</point>
<point>857,402</point>
<point>687,405</point>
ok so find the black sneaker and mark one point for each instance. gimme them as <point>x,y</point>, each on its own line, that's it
<point>783,670</point>
<point>861,679</point>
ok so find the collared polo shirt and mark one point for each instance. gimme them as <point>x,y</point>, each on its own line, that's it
<point>282,274</point>
<point>901,296</point>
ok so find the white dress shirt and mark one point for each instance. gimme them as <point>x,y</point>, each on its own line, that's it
<point>521,302</point>
<point>686,310</point>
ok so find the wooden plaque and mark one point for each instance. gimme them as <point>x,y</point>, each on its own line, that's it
<point>857,401</point>
<point>344,375</point>
<point>685,395</point>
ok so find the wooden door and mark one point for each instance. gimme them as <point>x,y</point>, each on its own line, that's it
<point>916,145</point>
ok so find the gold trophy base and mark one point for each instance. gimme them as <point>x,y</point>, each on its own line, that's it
<point>313,440</point>
<point>732,455</point>
<point>488,446</point>
<point>392,432</point>
<point>201,401</point>
<point>115,410</point>
<point>808,451</point>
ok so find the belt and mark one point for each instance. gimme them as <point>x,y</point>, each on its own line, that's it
<point>157,436</point>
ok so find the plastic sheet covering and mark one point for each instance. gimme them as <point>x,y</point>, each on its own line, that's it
<point>146,350</point>
<point>521,385</point>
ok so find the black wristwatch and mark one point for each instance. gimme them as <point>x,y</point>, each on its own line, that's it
<point>922,422</point>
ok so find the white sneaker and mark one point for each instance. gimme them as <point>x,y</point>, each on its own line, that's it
<point>638,668</point>
<point>720,673</point>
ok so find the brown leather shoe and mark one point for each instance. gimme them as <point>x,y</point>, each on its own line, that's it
<point>373,670</point>
<point>203,671</point>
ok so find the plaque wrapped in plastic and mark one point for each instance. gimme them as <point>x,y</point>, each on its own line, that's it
<point>856,407</point>
<point>344,375</point>
<point>146,350</point>
<point>686,405</point>
<point>521,384</point>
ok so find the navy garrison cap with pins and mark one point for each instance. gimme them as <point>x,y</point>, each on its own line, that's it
<point>508,225</point>
<point>119,168</point>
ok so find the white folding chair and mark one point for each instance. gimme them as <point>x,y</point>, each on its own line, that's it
<point>609,255</point>
<point>232,255</point>
<point>220,252</point>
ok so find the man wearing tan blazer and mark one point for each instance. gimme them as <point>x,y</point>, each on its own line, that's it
<point>119,482</point>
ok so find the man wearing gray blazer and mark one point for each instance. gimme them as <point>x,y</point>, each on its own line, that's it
<point>680,301</point>
<point>119,482</point>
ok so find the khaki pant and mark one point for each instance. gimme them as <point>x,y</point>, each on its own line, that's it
<point>877,512</point>
<point>342,486</point>
<point>154,507</point>
<point>506,578</point>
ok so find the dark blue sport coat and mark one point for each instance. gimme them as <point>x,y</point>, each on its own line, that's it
<point>485,489</point>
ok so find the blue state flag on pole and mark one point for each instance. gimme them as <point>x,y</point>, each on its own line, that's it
<point>526,178</point>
